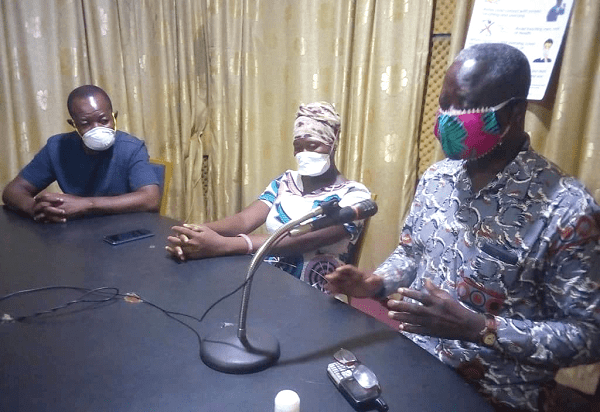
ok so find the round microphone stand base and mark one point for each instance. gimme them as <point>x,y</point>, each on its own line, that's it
<point>225,352</point>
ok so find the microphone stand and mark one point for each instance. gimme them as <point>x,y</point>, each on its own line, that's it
<point>236,352</point>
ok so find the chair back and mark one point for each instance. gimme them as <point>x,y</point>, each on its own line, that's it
<point>164,171</point>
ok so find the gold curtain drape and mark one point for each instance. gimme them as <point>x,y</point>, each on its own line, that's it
<point>217,83</point>
<point>213,86</point>
<point>268,57</point>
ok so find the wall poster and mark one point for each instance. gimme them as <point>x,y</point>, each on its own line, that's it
<point>536,27</point>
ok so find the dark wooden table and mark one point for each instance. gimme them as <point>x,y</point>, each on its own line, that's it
<point>120,356</point>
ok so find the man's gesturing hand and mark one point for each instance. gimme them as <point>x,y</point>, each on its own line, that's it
<point>439,314</point>
<point>351,281</point>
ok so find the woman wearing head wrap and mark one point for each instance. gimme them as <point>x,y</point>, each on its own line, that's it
<point>291,195</point>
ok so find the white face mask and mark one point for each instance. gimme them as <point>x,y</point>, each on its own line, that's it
<point>312,163</point>
<point>99,138</point>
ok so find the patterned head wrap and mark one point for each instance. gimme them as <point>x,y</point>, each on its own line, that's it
<point>319,121</point>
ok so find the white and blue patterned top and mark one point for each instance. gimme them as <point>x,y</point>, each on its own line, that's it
<point>284,197</point>
<point>526,249</point>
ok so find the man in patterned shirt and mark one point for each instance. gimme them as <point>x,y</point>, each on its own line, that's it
<point>497,269</point>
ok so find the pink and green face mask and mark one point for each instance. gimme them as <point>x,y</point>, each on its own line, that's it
<point>468,134</point>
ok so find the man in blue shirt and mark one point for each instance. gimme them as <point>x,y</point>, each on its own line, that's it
<point>99,169</point>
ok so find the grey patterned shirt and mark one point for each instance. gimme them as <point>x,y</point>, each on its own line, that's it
<point>526,249</point>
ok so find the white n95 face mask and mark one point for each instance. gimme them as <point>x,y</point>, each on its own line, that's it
<point>99,138</point>
<point>312,163</point>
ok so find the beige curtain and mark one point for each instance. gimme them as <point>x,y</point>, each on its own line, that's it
<point>216,84</point>
<point>213,86</point>
<point>267,57</point>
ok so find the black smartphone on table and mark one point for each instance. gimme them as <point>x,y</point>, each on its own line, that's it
<point>129,236</point>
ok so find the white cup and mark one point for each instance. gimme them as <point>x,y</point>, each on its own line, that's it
<point>287,401</point>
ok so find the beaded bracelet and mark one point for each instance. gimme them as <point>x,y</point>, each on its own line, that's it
<point>248,242</point>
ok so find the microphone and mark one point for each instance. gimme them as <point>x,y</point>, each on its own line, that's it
<point>358,211</point>
<point>239,350</point>
<point>242,351</point>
